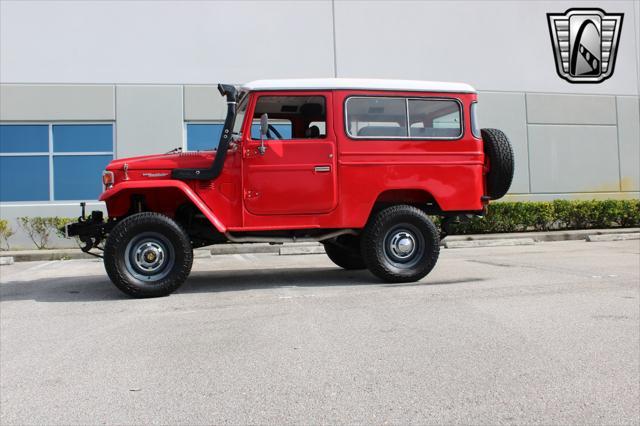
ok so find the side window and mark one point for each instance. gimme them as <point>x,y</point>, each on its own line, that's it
<point>475,129</point>
<point>292,117</point>
<point>435,118</point>
<point>376,117</point>
<point>403,118</point>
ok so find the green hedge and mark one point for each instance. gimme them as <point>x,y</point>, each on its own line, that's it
<point>552,216</point>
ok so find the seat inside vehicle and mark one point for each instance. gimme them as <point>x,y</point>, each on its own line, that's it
<point>382,131</point>
<point>434,132</point>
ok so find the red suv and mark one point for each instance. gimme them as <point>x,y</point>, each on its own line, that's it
<point>358,165</point>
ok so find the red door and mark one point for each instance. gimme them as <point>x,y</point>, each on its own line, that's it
<point>293,176</point>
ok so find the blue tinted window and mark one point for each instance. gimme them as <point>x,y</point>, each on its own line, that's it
<point>24,178</point>
<point>78,177</point>
<point>203,137</point>
<point>284,129</point>
<point>83,138</point>
<point>24,138</point>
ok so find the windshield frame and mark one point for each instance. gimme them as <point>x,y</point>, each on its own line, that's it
<point>242,103</point>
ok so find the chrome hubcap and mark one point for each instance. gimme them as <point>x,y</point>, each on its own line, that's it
<point>402,244</point>
<point>149,257</point>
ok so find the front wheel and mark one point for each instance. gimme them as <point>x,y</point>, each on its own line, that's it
<point>400,244</point>
<point>148,255</point>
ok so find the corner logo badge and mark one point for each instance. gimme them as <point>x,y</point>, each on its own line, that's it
<point>585,43</point>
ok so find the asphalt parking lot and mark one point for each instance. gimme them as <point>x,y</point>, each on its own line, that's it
<point>547,333</point>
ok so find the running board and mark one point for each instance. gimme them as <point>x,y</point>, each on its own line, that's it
<point>294,239</point>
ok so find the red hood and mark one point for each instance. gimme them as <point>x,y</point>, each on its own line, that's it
<point>200,159</point>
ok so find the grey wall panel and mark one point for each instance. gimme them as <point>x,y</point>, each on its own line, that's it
<point>507,112</point>
<point>11,212</point>
<point>170,42</point>
<point>629,142</point>
<point>203,103</point>
<point>573,158</point>
<point>570,109</point>
<point>56,102</point>
<point>149,119</point>
<point>494,45</point>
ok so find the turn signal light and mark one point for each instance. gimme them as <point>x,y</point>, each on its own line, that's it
<point>107,179</point>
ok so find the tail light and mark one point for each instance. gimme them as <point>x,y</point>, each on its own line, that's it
<point>107,179</point>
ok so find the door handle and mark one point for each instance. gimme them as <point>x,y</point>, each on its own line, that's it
<point>322,169</point>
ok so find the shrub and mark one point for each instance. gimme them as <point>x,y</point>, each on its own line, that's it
<point>554,215</point>
<point>5,233</point>
<point>39,229</point>
<point>59,222</point>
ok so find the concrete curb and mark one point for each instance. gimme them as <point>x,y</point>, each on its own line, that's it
<point>315,248</point>
<point>548,236</point>
<point>289,250</point>
<point>489,243</point>
<point>47,254</point>
<point>233,248</point>
<point>612,237</point>
<point>6,260</point>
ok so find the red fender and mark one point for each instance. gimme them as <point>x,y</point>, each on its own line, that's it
<point>166,183</point>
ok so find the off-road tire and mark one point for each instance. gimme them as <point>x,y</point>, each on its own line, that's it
<point>387,224</point>
<point>501,162</point>
<point>168,233</point>
<point>345,252</point>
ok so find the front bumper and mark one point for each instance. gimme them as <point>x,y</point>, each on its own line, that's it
<point>91,230</point>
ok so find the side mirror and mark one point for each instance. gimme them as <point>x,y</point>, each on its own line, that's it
<point>264,128</point>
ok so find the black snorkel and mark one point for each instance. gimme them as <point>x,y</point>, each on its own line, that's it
<point>214,171</point>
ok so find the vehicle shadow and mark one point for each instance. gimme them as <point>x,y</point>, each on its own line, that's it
<point>99,288</point>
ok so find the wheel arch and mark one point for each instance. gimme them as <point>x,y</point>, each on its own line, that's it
<point>418,197</point>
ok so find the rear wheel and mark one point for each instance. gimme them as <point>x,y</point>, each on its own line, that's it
<point>400,244</point>
<point>344,251</point>
<point>148,255</point>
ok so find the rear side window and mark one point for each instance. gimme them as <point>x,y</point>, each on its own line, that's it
<point>403,118</point>
<point>434,118</point>
<point>377,117</point>
<point>475,129</point>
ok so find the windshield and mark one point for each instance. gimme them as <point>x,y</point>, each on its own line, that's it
<point>242,109</point>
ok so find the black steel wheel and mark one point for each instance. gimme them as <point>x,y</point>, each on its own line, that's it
<point>148,255</point>
<point>400,244</point>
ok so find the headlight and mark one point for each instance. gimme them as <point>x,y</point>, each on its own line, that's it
<point>107,179</point>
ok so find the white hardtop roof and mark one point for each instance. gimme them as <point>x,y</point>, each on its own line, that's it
<point>358,84</point>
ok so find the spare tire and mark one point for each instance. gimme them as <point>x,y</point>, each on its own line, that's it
<point>499,153</point>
